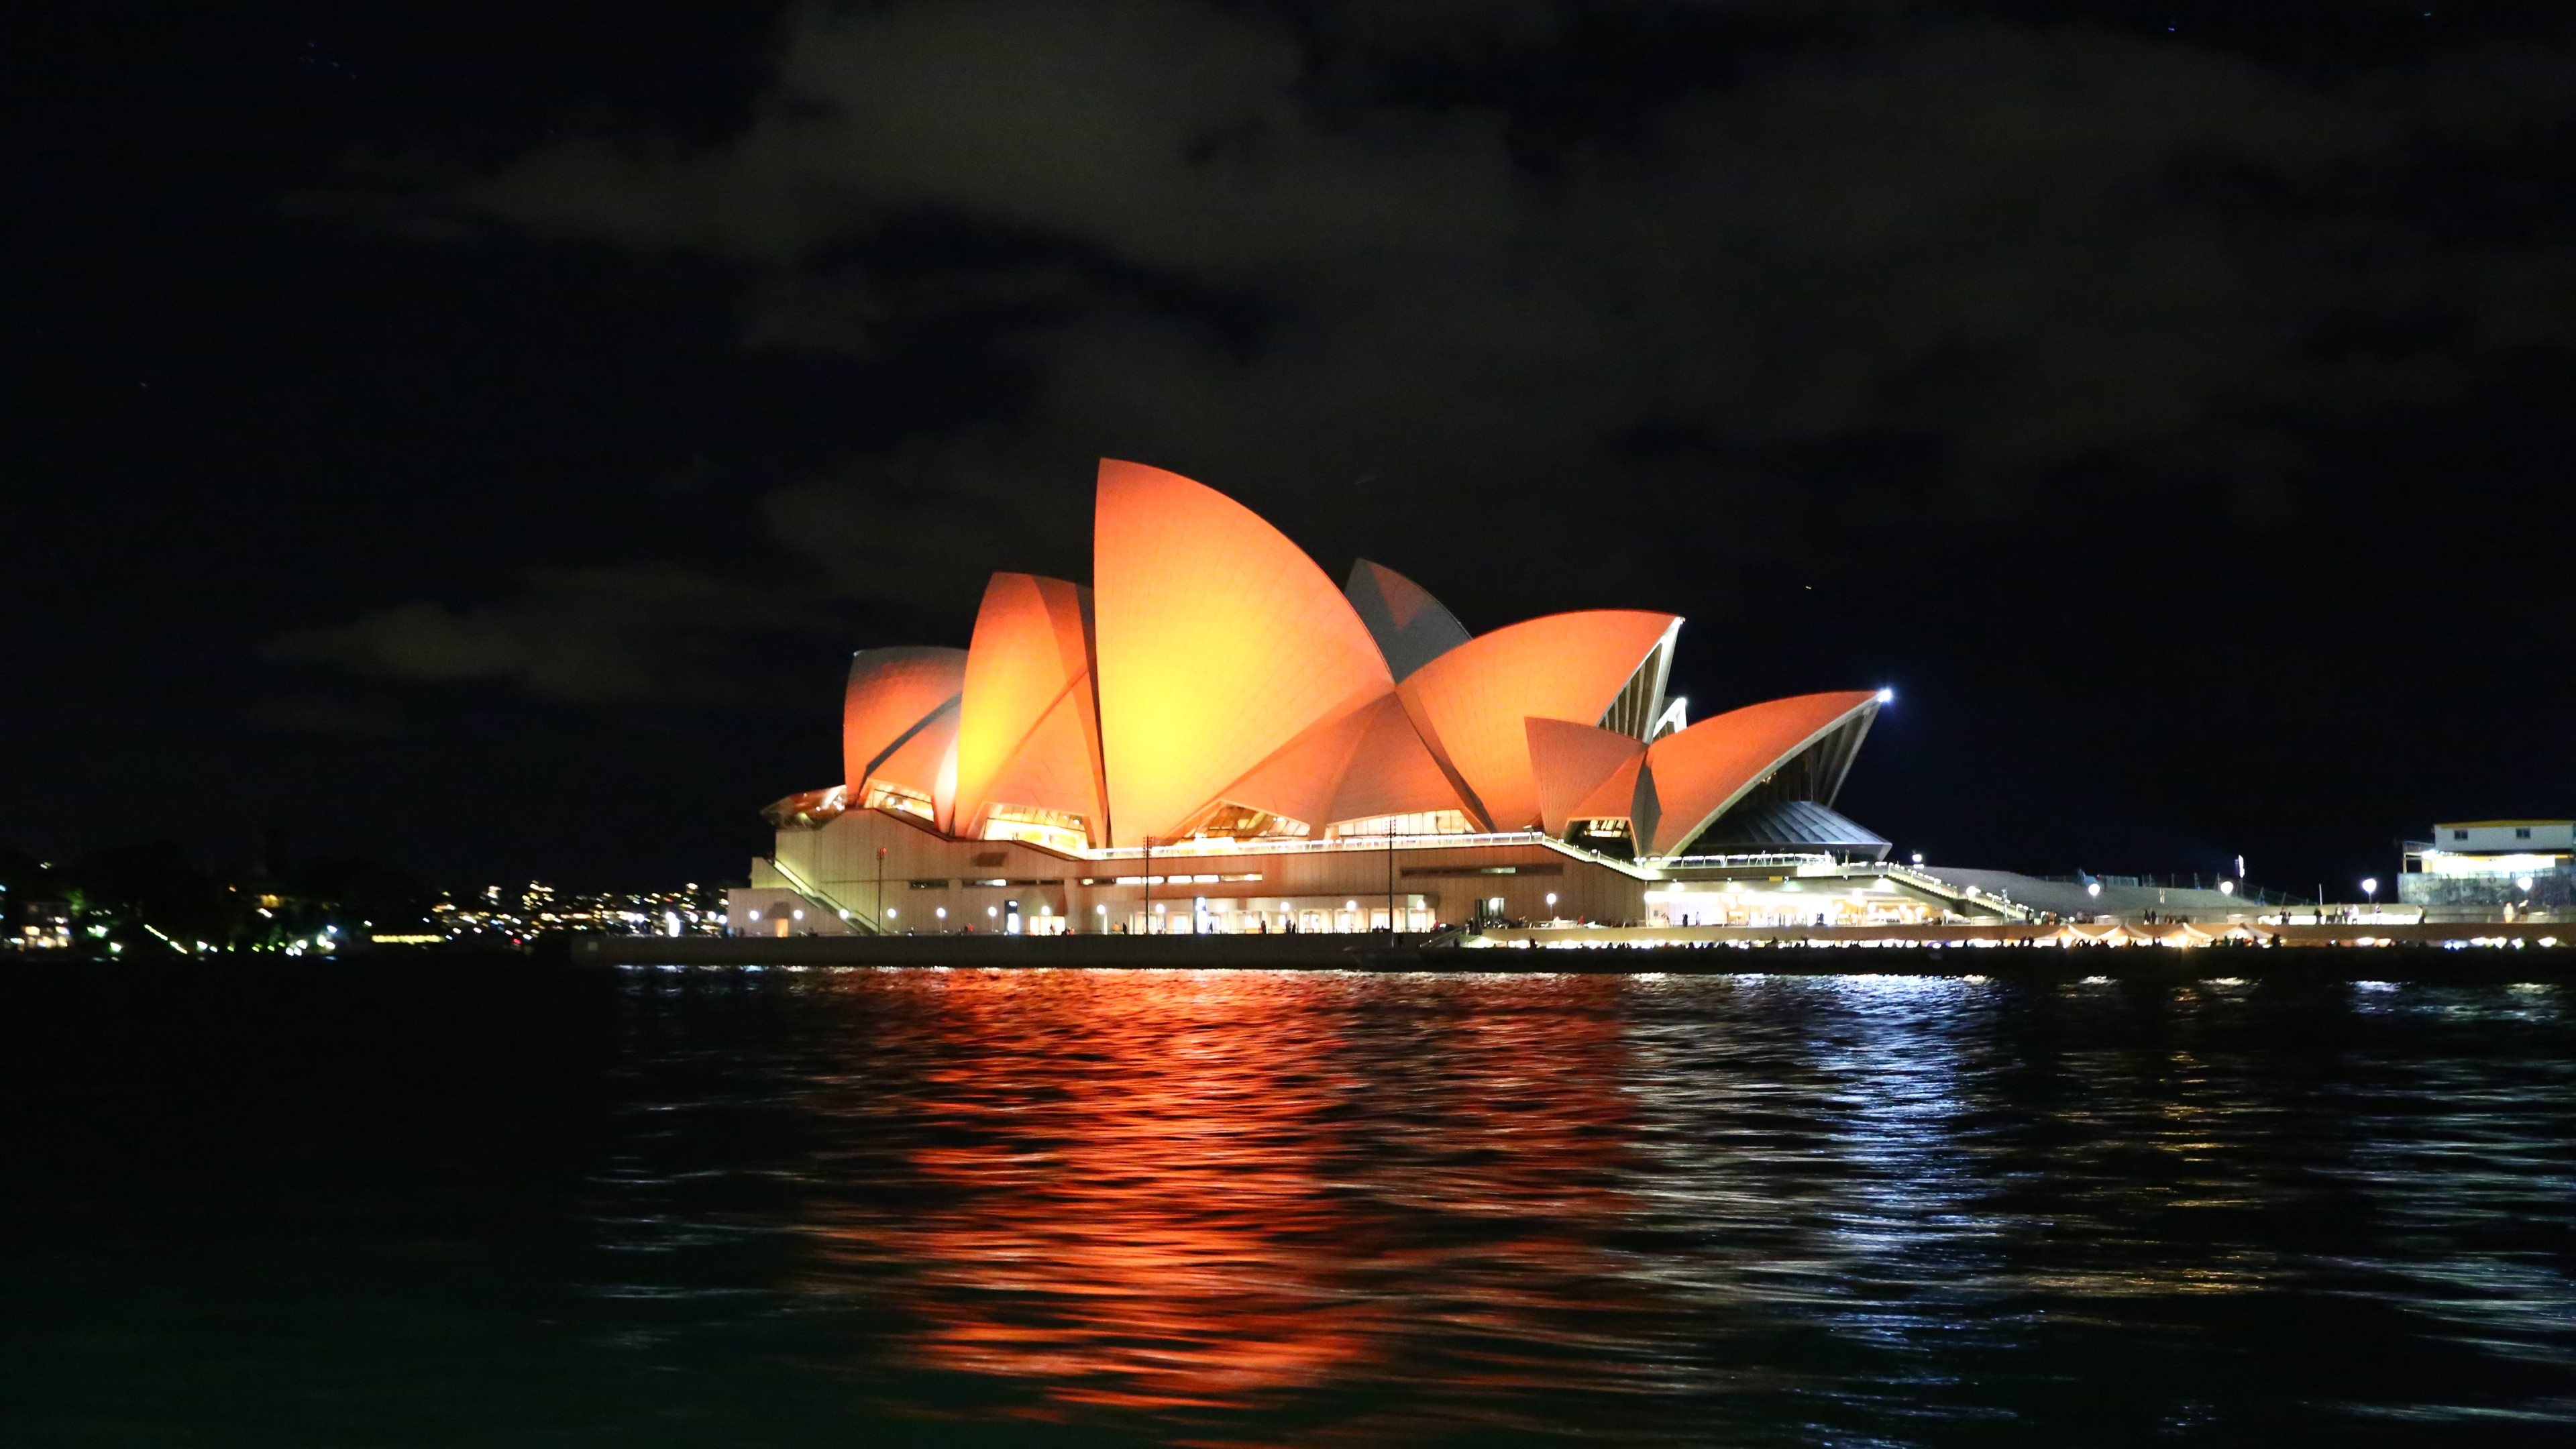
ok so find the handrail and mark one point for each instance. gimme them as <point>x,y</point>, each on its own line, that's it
<point>823,900</point>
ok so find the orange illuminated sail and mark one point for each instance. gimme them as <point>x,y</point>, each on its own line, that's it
<point>1698,773</point>
<point>893,695</point>
<point>1570,761</point>
<point>1219,641</point>
<point>1472,703</point>
<point>1028,732</point>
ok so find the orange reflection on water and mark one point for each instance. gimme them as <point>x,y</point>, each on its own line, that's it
<point>1151,1190</point>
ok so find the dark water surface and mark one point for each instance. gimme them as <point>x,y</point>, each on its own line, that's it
<point>532,1207</point>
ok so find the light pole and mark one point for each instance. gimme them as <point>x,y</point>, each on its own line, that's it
<point>1551,905</point>
<point>1392,929</point>
<point>2370,890</point>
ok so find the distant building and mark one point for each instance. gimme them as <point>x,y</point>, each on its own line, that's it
<point>43,926</point>
<point>2491,870</point>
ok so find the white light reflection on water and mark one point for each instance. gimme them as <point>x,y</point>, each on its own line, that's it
<point>1262,1206</point>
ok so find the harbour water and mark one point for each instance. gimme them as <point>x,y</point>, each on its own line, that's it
<point>541,1206</point>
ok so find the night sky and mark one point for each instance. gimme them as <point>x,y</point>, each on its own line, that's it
<point>475,434</point>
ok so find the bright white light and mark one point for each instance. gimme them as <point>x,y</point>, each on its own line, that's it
<point>2227,888</point>
<point>992,910</point>
<point>1918,857</point>
<point>2093,889</point>
<point>1551,898</point>
<point>2370,885</point>
<point>1350,905</point>
<point>800,915</point>
<point>1887,696</point>
<point>755,915</point>
<point>941,913</point>
<point>2522,882</point>
<point>1100,910</point>
<point>892,912</point>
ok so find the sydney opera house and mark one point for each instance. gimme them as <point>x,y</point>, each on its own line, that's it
<point>1211,736</point>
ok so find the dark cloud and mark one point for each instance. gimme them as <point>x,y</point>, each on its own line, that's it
<point>643,634</point>
<point>316,713</point>
<point>2020,247</point>
<point>2005,352</point>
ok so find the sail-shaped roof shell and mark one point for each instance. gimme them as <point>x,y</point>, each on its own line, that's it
<point>892,694</point>
<point>1392,772</point>
<point>1219,641</point>
<point>1028,730</point>
<point>1701,771</point>
<point>1411,627</point>
<point>1471,703</point>
<point>925,762</point>
<point>1571,761</point>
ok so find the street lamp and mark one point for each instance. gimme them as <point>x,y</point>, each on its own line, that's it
<point>2370,889</point>
<point>2227,888</point>
<point>2093,889</point>
<point>1551,905</point>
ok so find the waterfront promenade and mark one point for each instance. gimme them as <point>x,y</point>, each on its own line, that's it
<point>2439,951</point>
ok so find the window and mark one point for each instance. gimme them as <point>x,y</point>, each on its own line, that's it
<point>2522,832</point>
<point>2459,835</point>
